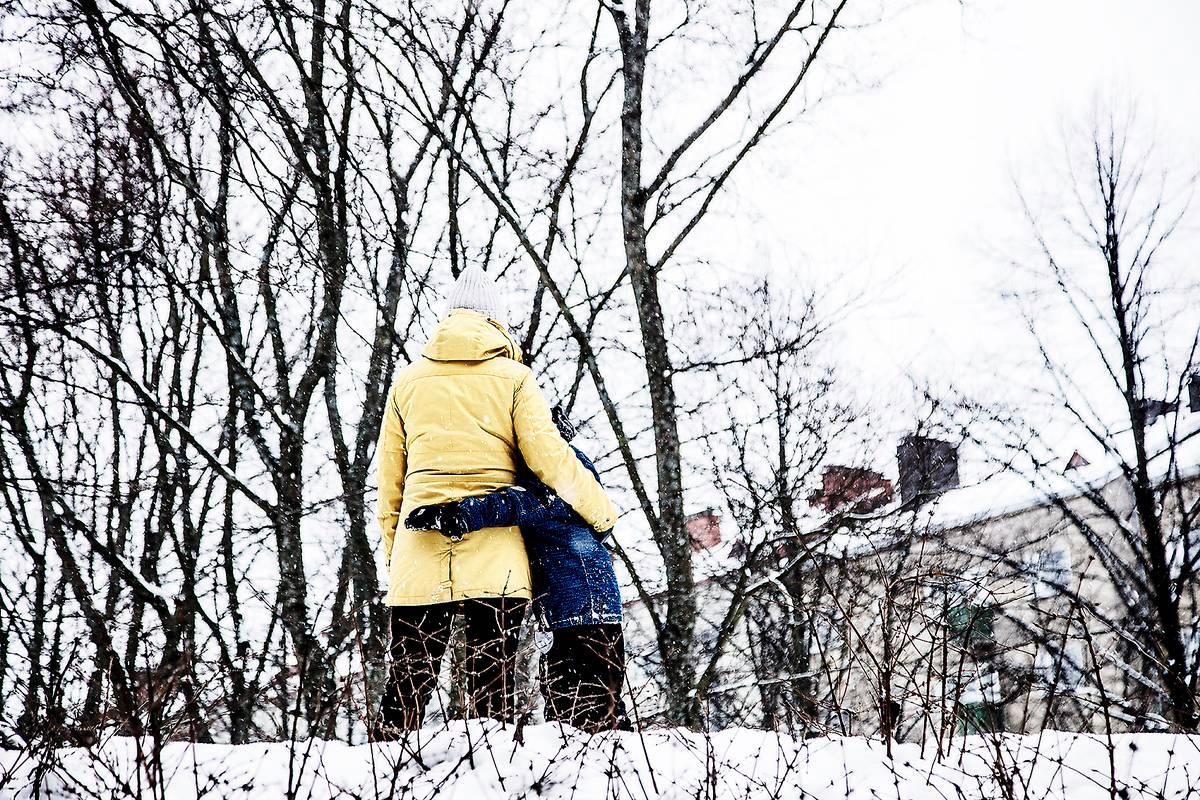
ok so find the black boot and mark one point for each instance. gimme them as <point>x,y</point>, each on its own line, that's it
<point>585,671</point>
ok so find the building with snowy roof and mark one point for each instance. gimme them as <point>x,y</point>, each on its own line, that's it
<point>1019,600</point>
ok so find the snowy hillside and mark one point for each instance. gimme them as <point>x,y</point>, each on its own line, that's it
<point>478,760</point>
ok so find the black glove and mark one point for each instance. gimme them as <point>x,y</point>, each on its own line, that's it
<point>453,524</point>
<point>565,427</point>
<point>442,517</point>
<point>425,518</point>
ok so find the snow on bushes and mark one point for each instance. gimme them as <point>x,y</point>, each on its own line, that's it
<point>480,761</point>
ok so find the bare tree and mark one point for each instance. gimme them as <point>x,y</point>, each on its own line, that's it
<point>216,346</point>
<point>673,196</point>
<point>1108,263</point>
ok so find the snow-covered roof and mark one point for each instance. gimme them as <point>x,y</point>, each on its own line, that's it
<point>1173,446</point>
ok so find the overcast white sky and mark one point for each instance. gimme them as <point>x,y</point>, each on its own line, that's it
<point>907,188</point>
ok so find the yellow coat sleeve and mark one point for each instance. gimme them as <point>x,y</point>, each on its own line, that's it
<point>393,458</point>
<point>553,460</point>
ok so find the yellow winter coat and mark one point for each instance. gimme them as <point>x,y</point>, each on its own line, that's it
<point>454,423</point>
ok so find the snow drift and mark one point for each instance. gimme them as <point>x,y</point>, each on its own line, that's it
<point>483,760</point>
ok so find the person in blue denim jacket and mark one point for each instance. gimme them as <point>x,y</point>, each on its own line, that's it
<point>576,594</point>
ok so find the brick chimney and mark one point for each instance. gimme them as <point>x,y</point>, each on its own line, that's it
<point>862,490</point>
<point>704,529</point>
<point>1157,409</point>
<point>1076,461</point>
<point>927,467</point>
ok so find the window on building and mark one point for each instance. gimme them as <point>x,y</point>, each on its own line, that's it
<point>841,720</point>
<point>891,712</point>
<point>1050,571</point>
<point>1060,666</point>
<point>971,623</point>
<point>974,718</point>
<point>970,609</point>
<point>825,635</point>
<point>979,707</point>
<point>1181,548</point>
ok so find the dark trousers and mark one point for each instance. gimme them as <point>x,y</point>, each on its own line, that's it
<point>584,673</point>
<point>420,635</point>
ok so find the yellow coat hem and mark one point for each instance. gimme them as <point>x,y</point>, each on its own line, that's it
<point>456,595</point>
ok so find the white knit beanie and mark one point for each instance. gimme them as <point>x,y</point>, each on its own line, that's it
<point>476,291</point>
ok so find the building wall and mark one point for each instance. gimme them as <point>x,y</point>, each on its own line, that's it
<point>1007,622</point>
<point>1047,646</point>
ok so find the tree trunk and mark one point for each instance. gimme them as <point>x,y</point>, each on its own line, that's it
<point>670,530</point>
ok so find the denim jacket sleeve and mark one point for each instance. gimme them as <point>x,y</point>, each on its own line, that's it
<point>524,506</point>
<point>514,505</point>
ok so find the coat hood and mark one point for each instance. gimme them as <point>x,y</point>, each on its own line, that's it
<point>469,336</point>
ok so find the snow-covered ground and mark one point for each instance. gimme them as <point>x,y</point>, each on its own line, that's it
<point>478,760</point>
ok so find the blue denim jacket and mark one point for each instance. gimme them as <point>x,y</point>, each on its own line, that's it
<point>573,578</point>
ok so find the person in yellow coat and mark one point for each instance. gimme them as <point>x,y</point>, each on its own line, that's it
<point>455,424</point>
